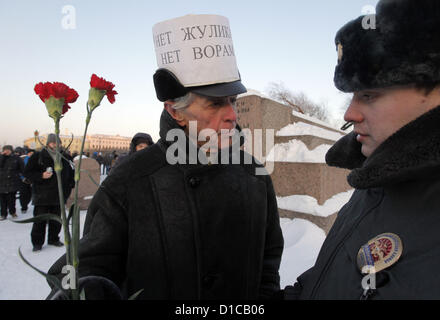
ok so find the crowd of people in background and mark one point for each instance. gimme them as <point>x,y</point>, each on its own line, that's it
<point>15,185</point>
<point>28,175</point>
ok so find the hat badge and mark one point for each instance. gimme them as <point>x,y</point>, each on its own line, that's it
<point>380,252</point>
<point>340,52</point>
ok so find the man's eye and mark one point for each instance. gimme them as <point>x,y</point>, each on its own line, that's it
<point>368,96</point>
<point>221,103</point>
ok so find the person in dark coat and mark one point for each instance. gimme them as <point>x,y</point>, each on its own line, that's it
<point>100,160</point>
<point>26,185</point>
<point>108,159</point>
<point>11,167</point>
<point>182,230</point>
<point>139,142</point>
<point>40,171</point>
<point>384,243</point>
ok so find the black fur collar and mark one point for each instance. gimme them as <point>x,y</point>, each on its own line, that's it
<point>413,152</point>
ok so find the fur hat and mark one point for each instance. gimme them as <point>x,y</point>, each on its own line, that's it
<point>402,48</point>
<point>141,137</point>
<point>52,138</point>
<point>168,87</point>
<point>8,147</point>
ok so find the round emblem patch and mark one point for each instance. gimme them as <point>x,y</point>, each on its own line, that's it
<point>380,253</point>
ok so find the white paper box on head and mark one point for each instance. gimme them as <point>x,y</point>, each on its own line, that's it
<point>197,49</point>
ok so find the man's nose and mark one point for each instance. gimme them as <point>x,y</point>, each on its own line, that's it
<point>230,113</point>
<point>353,113</point>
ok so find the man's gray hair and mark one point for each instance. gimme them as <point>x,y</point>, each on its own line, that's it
<point>184,101</point>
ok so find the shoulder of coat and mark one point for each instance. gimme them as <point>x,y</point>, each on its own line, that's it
<point>141,163</point>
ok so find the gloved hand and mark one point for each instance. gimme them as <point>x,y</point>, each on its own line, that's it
<point>95,288</point>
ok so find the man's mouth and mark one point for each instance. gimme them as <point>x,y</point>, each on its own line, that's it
<point>360,136</point>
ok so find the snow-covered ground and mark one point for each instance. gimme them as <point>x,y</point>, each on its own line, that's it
<point>302,242</point>
<point>18,281</point>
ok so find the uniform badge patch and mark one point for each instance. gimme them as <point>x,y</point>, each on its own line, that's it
<point>380,252</point>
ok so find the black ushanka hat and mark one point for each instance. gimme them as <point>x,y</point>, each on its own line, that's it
<point>168,87</point>
<point>402,47</point>
<point>195,54</point>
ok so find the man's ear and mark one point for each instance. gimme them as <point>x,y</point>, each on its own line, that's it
<point>175,114</point>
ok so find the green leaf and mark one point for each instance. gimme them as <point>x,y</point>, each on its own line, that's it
<point>40,218</point>
<point>82,295</point>
<point>95,98</point>
<point>135,295</point>
<point>54,107</point>
<point>51,279</point>
<point>90,176</point>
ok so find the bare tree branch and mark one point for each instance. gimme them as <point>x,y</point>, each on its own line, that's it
<point>298,101</point>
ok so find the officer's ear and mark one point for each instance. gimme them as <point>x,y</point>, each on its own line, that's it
<point>175,114</point>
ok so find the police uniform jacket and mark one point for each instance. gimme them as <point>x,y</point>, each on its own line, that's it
<point>397,191</point>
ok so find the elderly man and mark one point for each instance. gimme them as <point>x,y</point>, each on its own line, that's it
<point>186,230</point>
<point>40,171</point>
<point>384,243</point>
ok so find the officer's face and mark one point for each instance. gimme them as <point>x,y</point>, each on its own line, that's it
<point>141,146</point>
<point>378,113</point>
<point>211,113</point>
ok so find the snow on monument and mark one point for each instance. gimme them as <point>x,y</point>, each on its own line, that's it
<point>305,186</point>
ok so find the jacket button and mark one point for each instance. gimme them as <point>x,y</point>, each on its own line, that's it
<point>194,182</point>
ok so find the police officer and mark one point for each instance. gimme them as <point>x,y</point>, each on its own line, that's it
<point>384,243</point>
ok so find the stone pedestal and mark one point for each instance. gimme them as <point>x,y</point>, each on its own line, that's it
<point>87,187</point>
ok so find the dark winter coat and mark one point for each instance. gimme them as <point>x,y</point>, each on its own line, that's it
<point>183,231</point>
<point>11,167</point>
<point>100,159</point>
<point>397,191</point>
<point>45,191</point>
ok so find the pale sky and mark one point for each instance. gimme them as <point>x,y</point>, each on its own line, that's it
<point>287,41</point>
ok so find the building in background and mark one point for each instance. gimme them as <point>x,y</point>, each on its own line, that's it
<point>106,143</point>
<point>95,142</point>
<point>306,187</point>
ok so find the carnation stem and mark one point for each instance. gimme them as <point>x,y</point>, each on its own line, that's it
<point>76,215</point>
<point>58,169</point>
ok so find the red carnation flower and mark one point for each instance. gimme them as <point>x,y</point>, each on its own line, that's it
<point>57,90</point>
<point>101,84</point>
